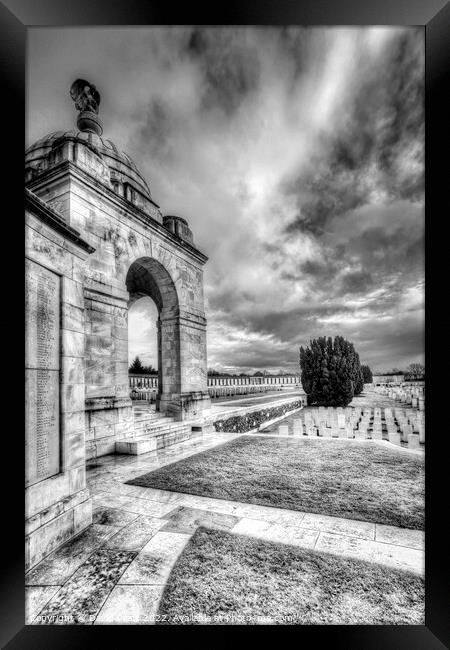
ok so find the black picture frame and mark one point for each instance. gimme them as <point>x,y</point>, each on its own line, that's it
<point>16,16</point>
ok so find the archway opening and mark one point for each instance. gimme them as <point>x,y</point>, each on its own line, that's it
<point>143,349</point>
<point>152,293</point>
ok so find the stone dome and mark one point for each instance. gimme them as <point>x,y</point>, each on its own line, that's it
<point>100,158</point>
<point>122,168</point>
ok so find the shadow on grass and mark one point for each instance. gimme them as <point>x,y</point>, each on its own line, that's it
<point>241,579</point>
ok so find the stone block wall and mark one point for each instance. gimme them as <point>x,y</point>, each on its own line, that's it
<point>57,503</point>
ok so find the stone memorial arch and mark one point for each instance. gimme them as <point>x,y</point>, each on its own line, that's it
<point>97,241</point>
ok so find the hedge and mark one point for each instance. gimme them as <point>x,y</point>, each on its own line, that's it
<point>243,423</point>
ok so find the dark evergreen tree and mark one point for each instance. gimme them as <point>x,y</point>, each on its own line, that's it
<point>330,371</point>
<point>358,376</point>
<point>367,374</point>
<point>359,383</point>
<point>137,366</point>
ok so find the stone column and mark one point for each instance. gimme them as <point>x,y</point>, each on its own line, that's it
<point>108,404</point>
<point>184,371</point>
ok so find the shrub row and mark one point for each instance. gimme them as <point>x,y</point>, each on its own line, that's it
<point>242,423</point>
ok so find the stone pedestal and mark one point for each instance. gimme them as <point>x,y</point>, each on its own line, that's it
<point>187,406</point>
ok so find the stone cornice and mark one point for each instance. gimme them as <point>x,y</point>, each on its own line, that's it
<point>68,167</point>
<point>49,216</point>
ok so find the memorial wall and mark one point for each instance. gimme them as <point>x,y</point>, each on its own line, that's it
<point>57,503</point>
<point>42,366</point>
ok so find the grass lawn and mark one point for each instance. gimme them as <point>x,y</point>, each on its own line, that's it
<point>340,479</point>
<point>220,573</point>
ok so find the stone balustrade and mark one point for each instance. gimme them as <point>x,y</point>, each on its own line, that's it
<point>145,386</point>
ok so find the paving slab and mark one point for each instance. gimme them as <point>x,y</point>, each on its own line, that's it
<point>251,527</point>
<point>130,604</point>
<point>60,565</point>
<point>82,596</point>
<point>135,536</point>
<point>392,555</point>
<point>35,600</point>
<point>354,528</point>
<point>134,505</point>
<point>187,520</point>
<point>167,542</point>
<point>268,513</point>
<point>154,563</point>
<point>112,516</point>
<point>400,536</point>
<point>152,494</point>
<point>294,535</point>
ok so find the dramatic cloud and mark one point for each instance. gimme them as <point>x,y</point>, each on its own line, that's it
<point>297,156</point>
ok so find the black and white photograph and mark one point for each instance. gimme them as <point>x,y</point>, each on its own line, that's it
<point>224,325</point>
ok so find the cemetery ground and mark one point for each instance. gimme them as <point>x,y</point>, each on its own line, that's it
<point>304,531</point>
<point>284,584</point>
<point>337,478</point>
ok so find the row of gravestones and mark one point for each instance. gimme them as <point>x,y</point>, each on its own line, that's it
<point>414,395</point>
<point>398,425</point>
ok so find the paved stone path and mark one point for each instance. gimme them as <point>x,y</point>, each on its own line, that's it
<point>249,400</point>
<point>116,570</point>
<point>225,408</point>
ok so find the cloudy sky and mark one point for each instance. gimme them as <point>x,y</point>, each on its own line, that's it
<point>297,156</point>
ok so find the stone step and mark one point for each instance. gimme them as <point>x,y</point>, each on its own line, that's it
<point>157,429</point>
<point>152,418</point>
<point>157,418</point>
<point>156,440</point>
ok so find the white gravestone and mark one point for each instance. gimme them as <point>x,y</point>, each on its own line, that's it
<point>413,441</point>
<point>394,437</point>
<point>406,431</point>
<point>421,428</point>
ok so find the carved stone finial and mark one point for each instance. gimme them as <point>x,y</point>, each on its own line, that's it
<point>87,100</point>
